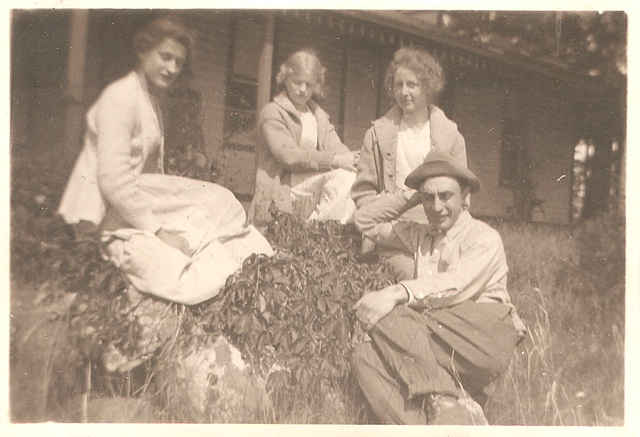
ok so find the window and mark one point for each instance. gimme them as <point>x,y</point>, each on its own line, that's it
<point>238,168</point>
<point>240,113</point>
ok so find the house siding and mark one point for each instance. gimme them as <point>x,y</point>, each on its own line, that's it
<point>548,139</point>
<point>361,92</point>
<point>233,149</point>
<point>481,94</point>
<point>478,111</point>
<point>552,138</point>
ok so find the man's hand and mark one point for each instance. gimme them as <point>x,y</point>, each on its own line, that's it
<point>412,197</point>
<point>374,306</point>
<point>175,240</point>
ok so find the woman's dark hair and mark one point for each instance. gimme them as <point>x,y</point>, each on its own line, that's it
<point>303,60</point>
<point>156,31</point>
<point>427,69</point>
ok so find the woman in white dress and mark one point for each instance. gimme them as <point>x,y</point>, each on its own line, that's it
<point>173,237</point>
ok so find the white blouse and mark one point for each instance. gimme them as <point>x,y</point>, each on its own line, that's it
<point>309,141</point>
<point>413,148</point>
<point>309,137</point>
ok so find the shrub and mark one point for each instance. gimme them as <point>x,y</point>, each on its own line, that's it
<point>289,314</point>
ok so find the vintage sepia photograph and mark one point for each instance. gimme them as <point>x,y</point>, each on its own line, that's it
<point>318,216</point>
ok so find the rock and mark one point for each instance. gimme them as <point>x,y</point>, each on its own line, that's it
<point>219,385</point>
<point>157,320</point>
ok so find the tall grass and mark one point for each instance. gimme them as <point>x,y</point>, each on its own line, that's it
<point>568,288</point>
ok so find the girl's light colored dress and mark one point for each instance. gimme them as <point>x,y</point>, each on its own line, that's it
<point>118,184</point>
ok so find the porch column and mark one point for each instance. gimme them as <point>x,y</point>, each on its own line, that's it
<point>266,60</point>
<point>75,82</point>
<point>264,73</point>
<point>622,175</point>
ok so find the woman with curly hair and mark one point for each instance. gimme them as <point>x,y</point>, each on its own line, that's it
<point>398,142</point>
<point>172,237</point>
<point>303,166</point>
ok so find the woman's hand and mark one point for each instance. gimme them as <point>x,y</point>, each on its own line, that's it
<point>346,160</point>
<point>175,240</point>
<point>356,157</point>
<point>375,306</point>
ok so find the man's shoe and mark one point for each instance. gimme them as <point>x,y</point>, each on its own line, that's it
<point>449,410</point>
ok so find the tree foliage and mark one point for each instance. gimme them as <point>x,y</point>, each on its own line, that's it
<point>587,42</point>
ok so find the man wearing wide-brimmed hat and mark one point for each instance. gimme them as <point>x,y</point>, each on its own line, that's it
<point>439,339</point>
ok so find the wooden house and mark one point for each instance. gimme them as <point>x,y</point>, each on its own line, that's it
<point>521,113</point>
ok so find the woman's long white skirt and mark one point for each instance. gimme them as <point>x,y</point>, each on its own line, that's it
<point>324,196</point>
<point>213,222</point>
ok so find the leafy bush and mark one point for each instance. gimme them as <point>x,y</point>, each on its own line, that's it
<point>289,314</point>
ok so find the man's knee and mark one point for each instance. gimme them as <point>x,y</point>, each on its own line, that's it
<point>494,367</point>
<point>397,319</point>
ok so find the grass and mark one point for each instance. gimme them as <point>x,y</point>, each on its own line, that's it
<point>568,286</point>
<point>570,369</point>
